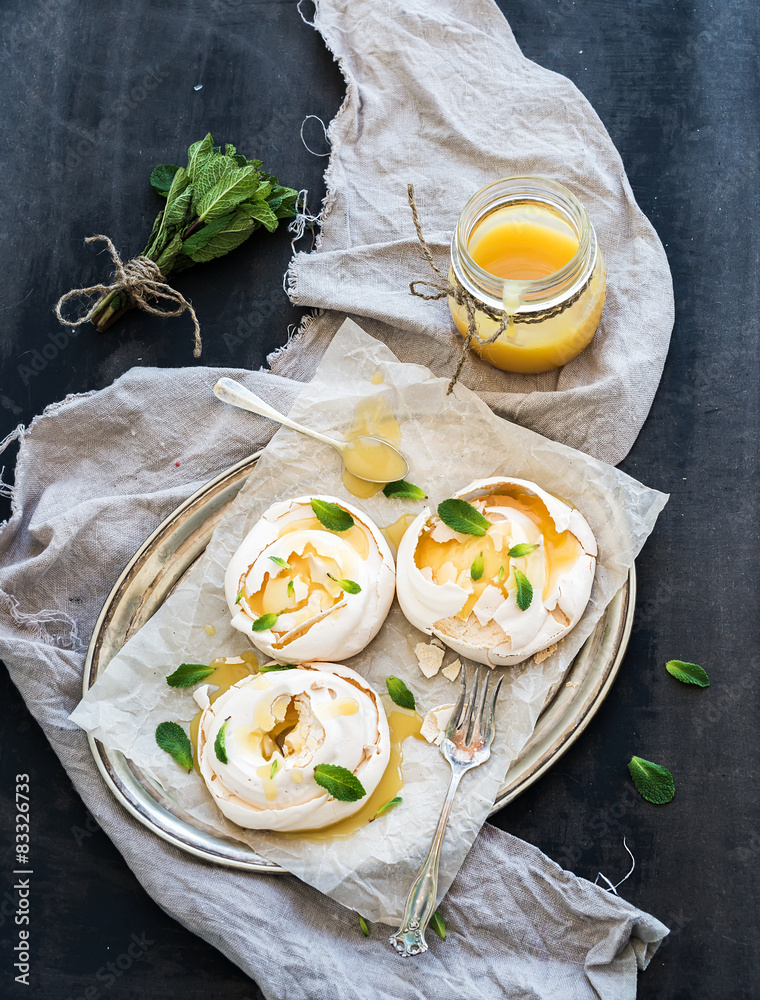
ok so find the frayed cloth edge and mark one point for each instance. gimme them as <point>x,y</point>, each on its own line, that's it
<point>295,336</point>
<point>290,283</point>
<point>34,622</point>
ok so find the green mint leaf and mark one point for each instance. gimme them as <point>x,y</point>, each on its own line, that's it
<point>161,178</point>
<point>502,573</point>
<point>199,153</point>
<point>341,783</point>
<point>348,585</point>
<point>149,246</point>
<point>282,201</point>
<point>523,549</point>
<point>265,622</point>
<point>363,925</point>
<point>193,245</point>
<point>333,517</point>
<point>291,588</point>
<point>273,768</point>
<point>653,781</point>
<point>210,172</point>
<point>176,213</point>
<point>438,924</point>
<point>400,693</point>
<point>165,260</point>
<point>478,565</point>
<point>239,597</point>
<point>188,674</point>
<point>401,489</point>
<point>172,738</point>
<point>180,185</point>
<point>181,263</point>
<point>233,229</point>
<point>388,805</point>
<point>463,517</point>
<point>225,196</point>
<point>219,748</point>
<point>261,212</point>
<point>524,594</point>
<point>175,210</point>
<point>267,668</point>
<point>280,562</point>
<point>688,673</point>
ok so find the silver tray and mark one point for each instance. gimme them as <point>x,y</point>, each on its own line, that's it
<point>161,563</point>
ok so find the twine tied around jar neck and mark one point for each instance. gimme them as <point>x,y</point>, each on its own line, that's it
<point>453,288</point>
<point>140,279</point>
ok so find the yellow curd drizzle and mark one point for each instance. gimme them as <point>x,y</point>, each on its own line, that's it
<point>341,706</point>
<point>268,781</point>
<point>224,676</point>
<point>395,532</point>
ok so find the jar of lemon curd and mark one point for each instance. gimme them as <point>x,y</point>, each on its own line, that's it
<point>525,246</point>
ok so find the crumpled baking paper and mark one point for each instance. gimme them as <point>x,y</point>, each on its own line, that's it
<point>449,440</point>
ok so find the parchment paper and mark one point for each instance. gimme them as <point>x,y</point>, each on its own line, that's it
<point>448,440</point>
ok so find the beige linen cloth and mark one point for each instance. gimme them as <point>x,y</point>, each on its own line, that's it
<point>439,95</point>
<point>95,475</point>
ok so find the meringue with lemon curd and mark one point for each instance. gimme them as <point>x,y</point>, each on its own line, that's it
<point>301,591</point>
<point>276,728</point>
<point>463,588</point>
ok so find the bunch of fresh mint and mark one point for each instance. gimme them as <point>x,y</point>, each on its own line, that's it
<point>212,206</point>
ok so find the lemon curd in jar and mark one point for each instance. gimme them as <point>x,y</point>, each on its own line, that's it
<point>525,246</point>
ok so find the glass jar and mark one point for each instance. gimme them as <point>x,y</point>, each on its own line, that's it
<point>552,315</point>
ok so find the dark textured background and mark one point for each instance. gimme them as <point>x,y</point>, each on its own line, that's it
<point>93,95</point>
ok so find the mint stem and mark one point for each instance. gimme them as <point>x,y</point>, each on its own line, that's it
<point>191,229</point>
<point>111,307</point>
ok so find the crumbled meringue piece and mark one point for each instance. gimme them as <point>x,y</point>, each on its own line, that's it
<point>429,657</point>
<point>487,604</point>
<point>452,670</point>
<point>544,654</point>
<point>200,696</point>
<point>435,722</point>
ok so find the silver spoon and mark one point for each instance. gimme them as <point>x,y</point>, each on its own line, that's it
<point>366,457</point>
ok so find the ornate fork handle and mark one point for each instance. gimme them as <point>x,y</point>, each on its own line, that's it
<point>409,939</point>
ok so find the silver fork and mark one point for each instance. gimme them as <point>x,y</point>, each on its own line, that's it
<point>466,744</point>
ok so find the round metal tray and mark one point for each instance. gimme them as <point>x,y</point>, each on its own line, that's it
<point>160,564</point>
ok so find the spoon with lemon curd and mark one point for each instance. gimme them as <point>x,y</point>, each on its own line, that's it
<point>366,457</point>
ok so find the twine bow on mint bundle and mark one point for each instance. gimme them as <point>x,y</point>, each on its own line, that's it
<point>452,288</point>
<point>212,206</point>
<point>133,284</point>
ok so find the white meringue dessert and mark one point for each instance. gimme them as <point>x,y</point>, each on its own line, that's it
<point>287,567</point>
<point>480,618</point>
<point>278,726</point>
